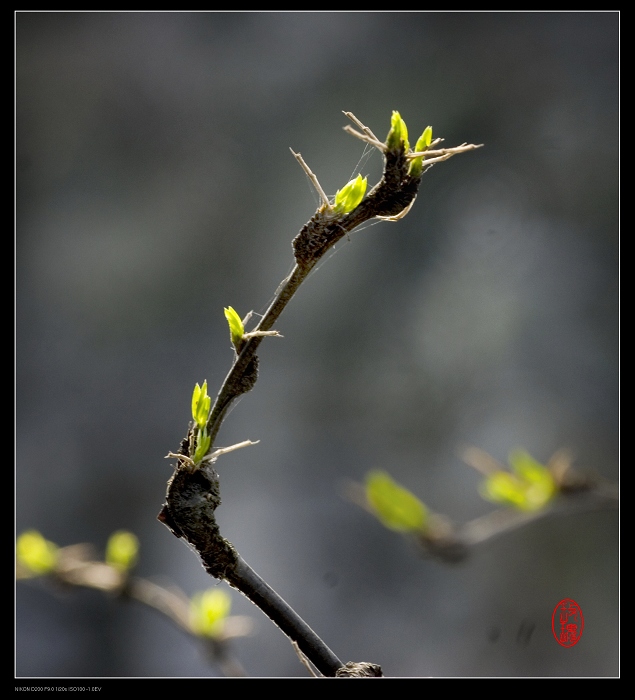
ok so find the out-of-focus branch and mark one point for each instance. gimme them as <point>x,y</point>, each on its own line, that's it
<point>76,566</point>
<point>531,491</point>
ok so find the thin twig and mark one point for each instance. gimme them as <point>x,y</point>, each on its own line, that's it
<point>363,127</point>
<point>463,148</point>
<point>372,140</point>
<point>506,520</point>
<point>314,181</point>
<point>304,661</point>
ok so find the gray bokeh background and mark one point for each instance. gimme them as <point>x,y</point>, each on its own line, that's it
<point>155,187</point>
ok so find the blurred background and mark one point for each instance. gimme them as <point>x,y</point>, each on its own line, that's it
<point>155,186</point>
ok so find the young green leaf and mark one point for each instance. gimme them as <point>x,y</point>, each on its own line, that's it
<point>505,488</point>
<point>208,612</point>
<point>398,135</point>
<point>424,140</point>
<point>529,486</point>
<point>35,553</point>
<point>122,550</point>
<point>236,328</point>
<point>416,164</point>
<point>201,403</point>
<point>396,507</point>
<point>203,442</point>
<point>349,197</point>
<point>539,481</point>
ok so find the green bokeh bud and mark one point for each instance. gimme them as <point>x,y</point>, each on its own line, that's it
<point>395,506</point>
<point>35,553</point>
<point>208,611</point>
<point>122,550</point>
<point>529,487</point>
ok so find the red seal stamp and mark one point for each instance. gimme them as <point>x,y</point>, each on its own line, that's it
<point>567,623</point>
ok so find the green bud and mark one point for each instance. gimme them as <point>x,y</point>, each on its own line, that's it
<point>396,507</point>
<point>349,197</point>
<point>236,328</point>
<point>540,486</point>
<point>504,488</point>
<point>416,164</point>
<point>398,135</point>
<point>203,442</point>
<point>529,486</point>
<point>35,553</point>
<point>122,550</point>
<point>208,612</point>
<point>424,140</point>
<point>201,403</point>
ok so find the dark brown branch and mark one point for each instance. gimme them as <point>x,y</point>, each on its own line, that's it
<point>247,581</point>
<point>191,501</point>
<point>193,492</point>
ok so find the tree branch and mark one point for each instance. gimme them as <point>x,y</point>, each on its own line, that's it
<point>76,566</point>
<point>247,581</point>
<point>193,492</point>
